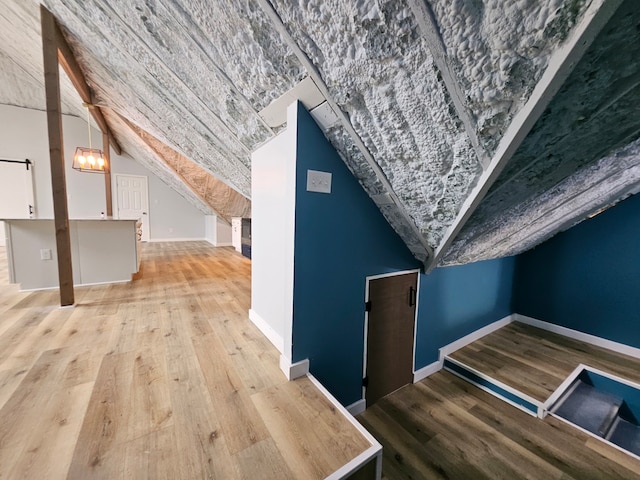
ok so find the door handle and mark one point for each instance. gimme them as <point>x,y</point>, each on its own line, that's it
<point>412,296</point>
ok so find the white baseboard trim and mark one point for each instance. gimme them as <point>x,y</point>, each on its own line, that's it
<point>223,244</point>
<point>75,285</point>
<point>577,335</point>
<point>494,393</point>
<point>356,408</point>
<point>294,370</point>
<point>375,451</point>
<point>266,330</point>
<point>424,372</point>
<point>183,239</point>
<point>473,336</point>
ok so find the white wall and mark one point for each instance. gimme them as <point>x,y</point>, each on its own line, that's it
<point>24,135</point>
<point>217,231</point>
<point>272,231</point>
<point>223,233</point>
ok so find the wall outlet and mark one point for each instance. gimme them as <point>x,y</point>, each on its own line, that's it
<point>45,254</point>
<point>318,181</point>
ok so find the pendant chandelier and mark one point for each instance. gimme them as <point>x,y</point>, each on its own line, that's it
<point>89,159</point>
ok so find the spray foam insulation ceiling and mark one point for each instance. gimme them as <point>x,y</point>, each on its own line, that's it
<point>479,127</point>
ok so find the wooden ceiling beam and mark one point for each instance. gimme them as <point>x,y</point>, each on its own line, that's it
<point>73,71</point>
<point>56,154</point>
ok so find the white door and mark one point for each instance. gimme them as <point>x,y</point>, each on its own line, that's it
<point>133,200</point>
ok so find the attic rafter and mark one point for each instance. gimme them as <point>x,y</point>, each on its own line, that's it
<point>427,24</point>
<point>73,71</point>
<point>344,120</point>
<point>623,89</point>
<point>614,178</point>
<point>180,81</point>
<point>222,75</point>
<point>560,66</point>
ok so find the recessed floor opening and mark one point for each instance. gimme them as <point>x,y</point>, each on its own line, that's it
<point>605,406</point>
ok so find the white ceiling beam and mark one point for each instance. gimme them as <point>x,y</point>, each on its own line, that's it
<point>560,66</point>
<point>344,120</point>
<point>622,88</point>
<point>431,32</point>
<point>599,187</point>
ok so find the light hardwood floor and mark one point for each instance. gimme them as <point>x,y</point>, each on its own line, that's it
<point>444,427</point>
<point>161,377</point>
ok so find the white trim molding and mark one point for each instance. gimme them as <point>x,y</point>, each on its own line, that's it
<point>577,335</point>
<point>222,244</point>
<point>516,393</point>
<point>356,408</point>
<point>267,330</point>
<point>424,372</point>
<point>294,370</point>
<point>435,367</point>
<point>181,239</point>
<point>473,336</point>
<point>562,388</point>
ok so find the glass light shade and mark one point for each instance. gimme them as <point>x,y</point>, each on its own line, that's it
<point>89,160</point>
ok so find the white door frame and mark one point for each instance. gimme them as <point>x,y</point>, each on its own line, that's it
<point>366,318</point>
<point>145,231</point>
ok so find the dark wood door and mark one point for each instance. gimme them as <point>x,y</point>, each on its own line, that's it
<point>390,334</point>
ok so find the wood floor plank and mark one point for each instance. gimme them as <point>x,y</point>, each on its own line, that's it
<point>536,361</point>
<point>197,425</point>
<point>263,460</point>
<point>444,427</point>
<point>47,452</point>
<point>155,378</point>
<point>106,420</point>
<point>241,423</point>
<point>285,422</point>
<point>20,415</point>
<point>405,456</point>
<point>153,454</point>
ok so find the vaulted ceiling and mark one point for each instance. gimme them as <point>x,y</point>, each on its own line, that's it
<point>479,127</point>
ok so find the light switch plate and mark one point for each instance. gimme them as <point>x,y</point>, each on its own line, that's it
<point>318,181</point>
<point>45,254</point>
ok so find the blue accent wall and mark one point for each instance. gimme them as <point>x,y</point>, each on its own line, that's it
<point>340,238</point>
<point>587,278</point>
<point>455,301</point>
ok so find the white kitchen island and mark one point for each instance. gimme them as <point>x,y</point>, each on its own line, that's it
<point>102,251</point>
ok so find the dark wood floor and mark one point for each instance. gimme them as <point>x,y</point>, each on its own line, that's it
<point>445,428</point>
<point>536,361</point>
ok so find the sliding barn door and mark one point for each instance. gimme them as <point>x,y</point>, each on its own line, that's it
<point>392,313</point>
<point>16,189</point>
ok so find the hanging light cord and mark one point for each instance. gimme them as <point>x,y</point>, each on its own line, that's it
<point>89,129</point>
